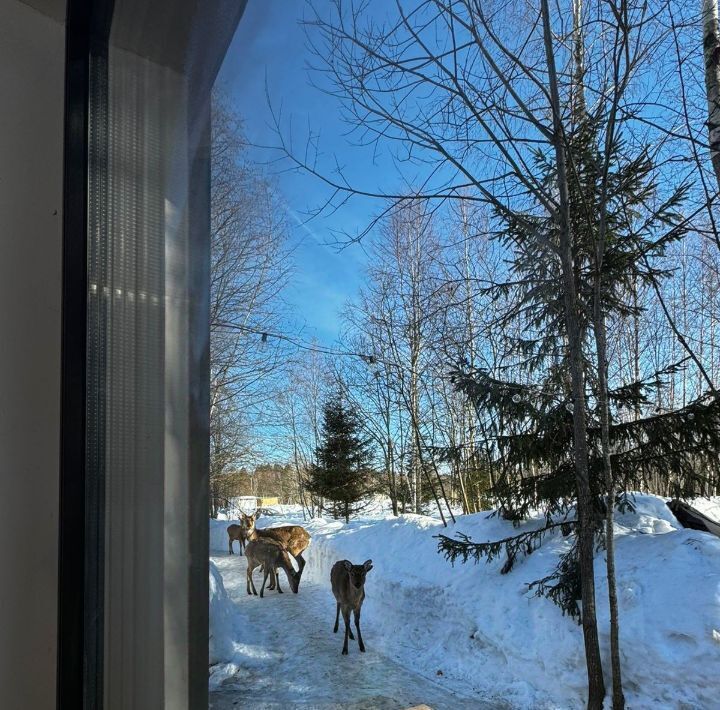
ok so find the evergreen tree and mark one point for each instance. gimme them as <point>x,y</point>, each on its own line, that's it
<point>342,472</point>
<point>621,226</point>
<point>535,458</point>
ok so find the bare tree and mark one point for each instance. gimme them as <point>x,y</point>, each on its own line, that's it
<point>395,315</point>
<point>249,269</point>
<point>299,413</point>
<point>711,53</point>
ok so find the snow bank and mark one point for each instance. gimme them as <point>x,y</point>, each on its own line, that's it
<point>219,536</point>
<point>707,506</point>
<point>221,616</point>
<point>223,631</point>
<point>474,628</point>
<point>230,648</point>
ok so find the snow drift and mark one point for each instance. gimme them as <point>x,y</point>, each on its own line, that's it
<point>223,631</point>
<point>476,630</point>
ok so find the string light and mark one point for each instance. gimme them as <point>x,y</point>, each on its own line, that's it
<point>374,360</point>
<point>371,360</point>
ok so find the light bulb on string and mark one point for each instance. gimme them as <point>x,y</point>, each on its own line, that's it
<point>517,398</point>
<point>570,407</point>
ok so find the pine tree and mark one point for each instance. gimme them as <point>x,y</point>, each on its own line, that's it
<point>341,473</point>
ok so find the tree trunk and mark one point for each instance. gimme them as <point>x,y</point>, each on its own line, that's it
<point>393,481</point>
<point>586,522</point>
<point>415,462</point>
<point>711,52</point>
<point>390,457</point>
<point>602,395</point>
<point>463,493</point>
<point>602,362</point>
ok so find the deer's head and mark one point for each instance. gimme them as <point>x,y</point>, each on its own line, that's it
<point>357,573</point>
<point>294,580</point>
<point>249,521</point>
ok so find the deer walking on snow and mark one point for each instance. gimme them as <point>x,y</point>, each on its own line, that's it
<point>294,538</point>
<point>272,556</point>
<point>348,586</point>
<point>239,533</point>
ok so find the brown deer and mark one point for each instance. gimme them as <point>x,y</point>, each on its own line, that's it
<point>272,556</point>
<point>294,538</point>
<point>348,586</point>
<point>239,533</point>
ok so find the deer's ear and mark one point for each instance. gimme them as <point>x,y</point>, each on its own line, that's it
<point>348,565</point>
<point>368,565</point>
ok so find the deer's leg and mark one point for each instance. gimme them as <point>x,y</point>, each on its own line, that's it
<point>337,618</point>
<point>356,613</point>
<point>241,541</point>
<point>277,580</point>
<point>230,545</point>
<point>250,582</point>
<point>265,577</point>
<point>273,576</point>
<point>346,619</point>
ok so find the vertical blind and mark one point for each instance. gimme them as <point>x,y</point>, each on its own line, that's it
<point>147,348</point>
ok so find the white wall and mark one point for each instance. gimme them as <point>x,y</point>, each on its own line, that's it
<point>32,47</point>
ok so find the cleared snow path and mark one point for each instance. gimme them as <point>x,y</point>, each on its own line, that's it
<point>293,659</point>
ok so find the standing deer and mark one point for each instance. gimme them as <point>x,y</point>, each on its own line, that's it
<point>348,586</point>
<point>239,533</point>
<point>294,538</point>
<point>271,555</point>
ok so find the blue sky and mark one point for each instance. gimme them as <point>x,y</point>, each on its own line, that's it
<point>269,49</point>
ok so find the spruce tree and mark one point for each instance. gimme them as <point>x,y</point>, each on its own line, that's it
<point>342,471</point>
<point>534,455</point>
<point>621,224</point>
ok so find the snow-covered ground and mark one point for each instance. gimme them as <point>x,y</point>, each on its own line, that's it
<point>284,655</point>
<point>434,630</point>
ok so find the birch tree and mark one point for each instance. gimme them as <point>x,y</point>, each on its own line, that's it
<point>249,269</point>
<point>711,55</point>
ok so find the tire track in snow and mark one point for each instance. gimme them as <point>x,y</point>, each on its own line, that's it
<point>291,658</point>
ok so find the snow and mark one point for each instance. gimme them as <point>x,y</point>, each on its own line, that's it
<point>482,635</point>
<point>221,614</point>
<point>290,658</point>
<point>708,506</point>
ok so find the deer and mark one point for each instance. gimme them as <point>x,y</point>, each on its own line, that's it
<point>239,533</point>
<point>272,556</point>
<point>348,586</point>
<point>294,538</point>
